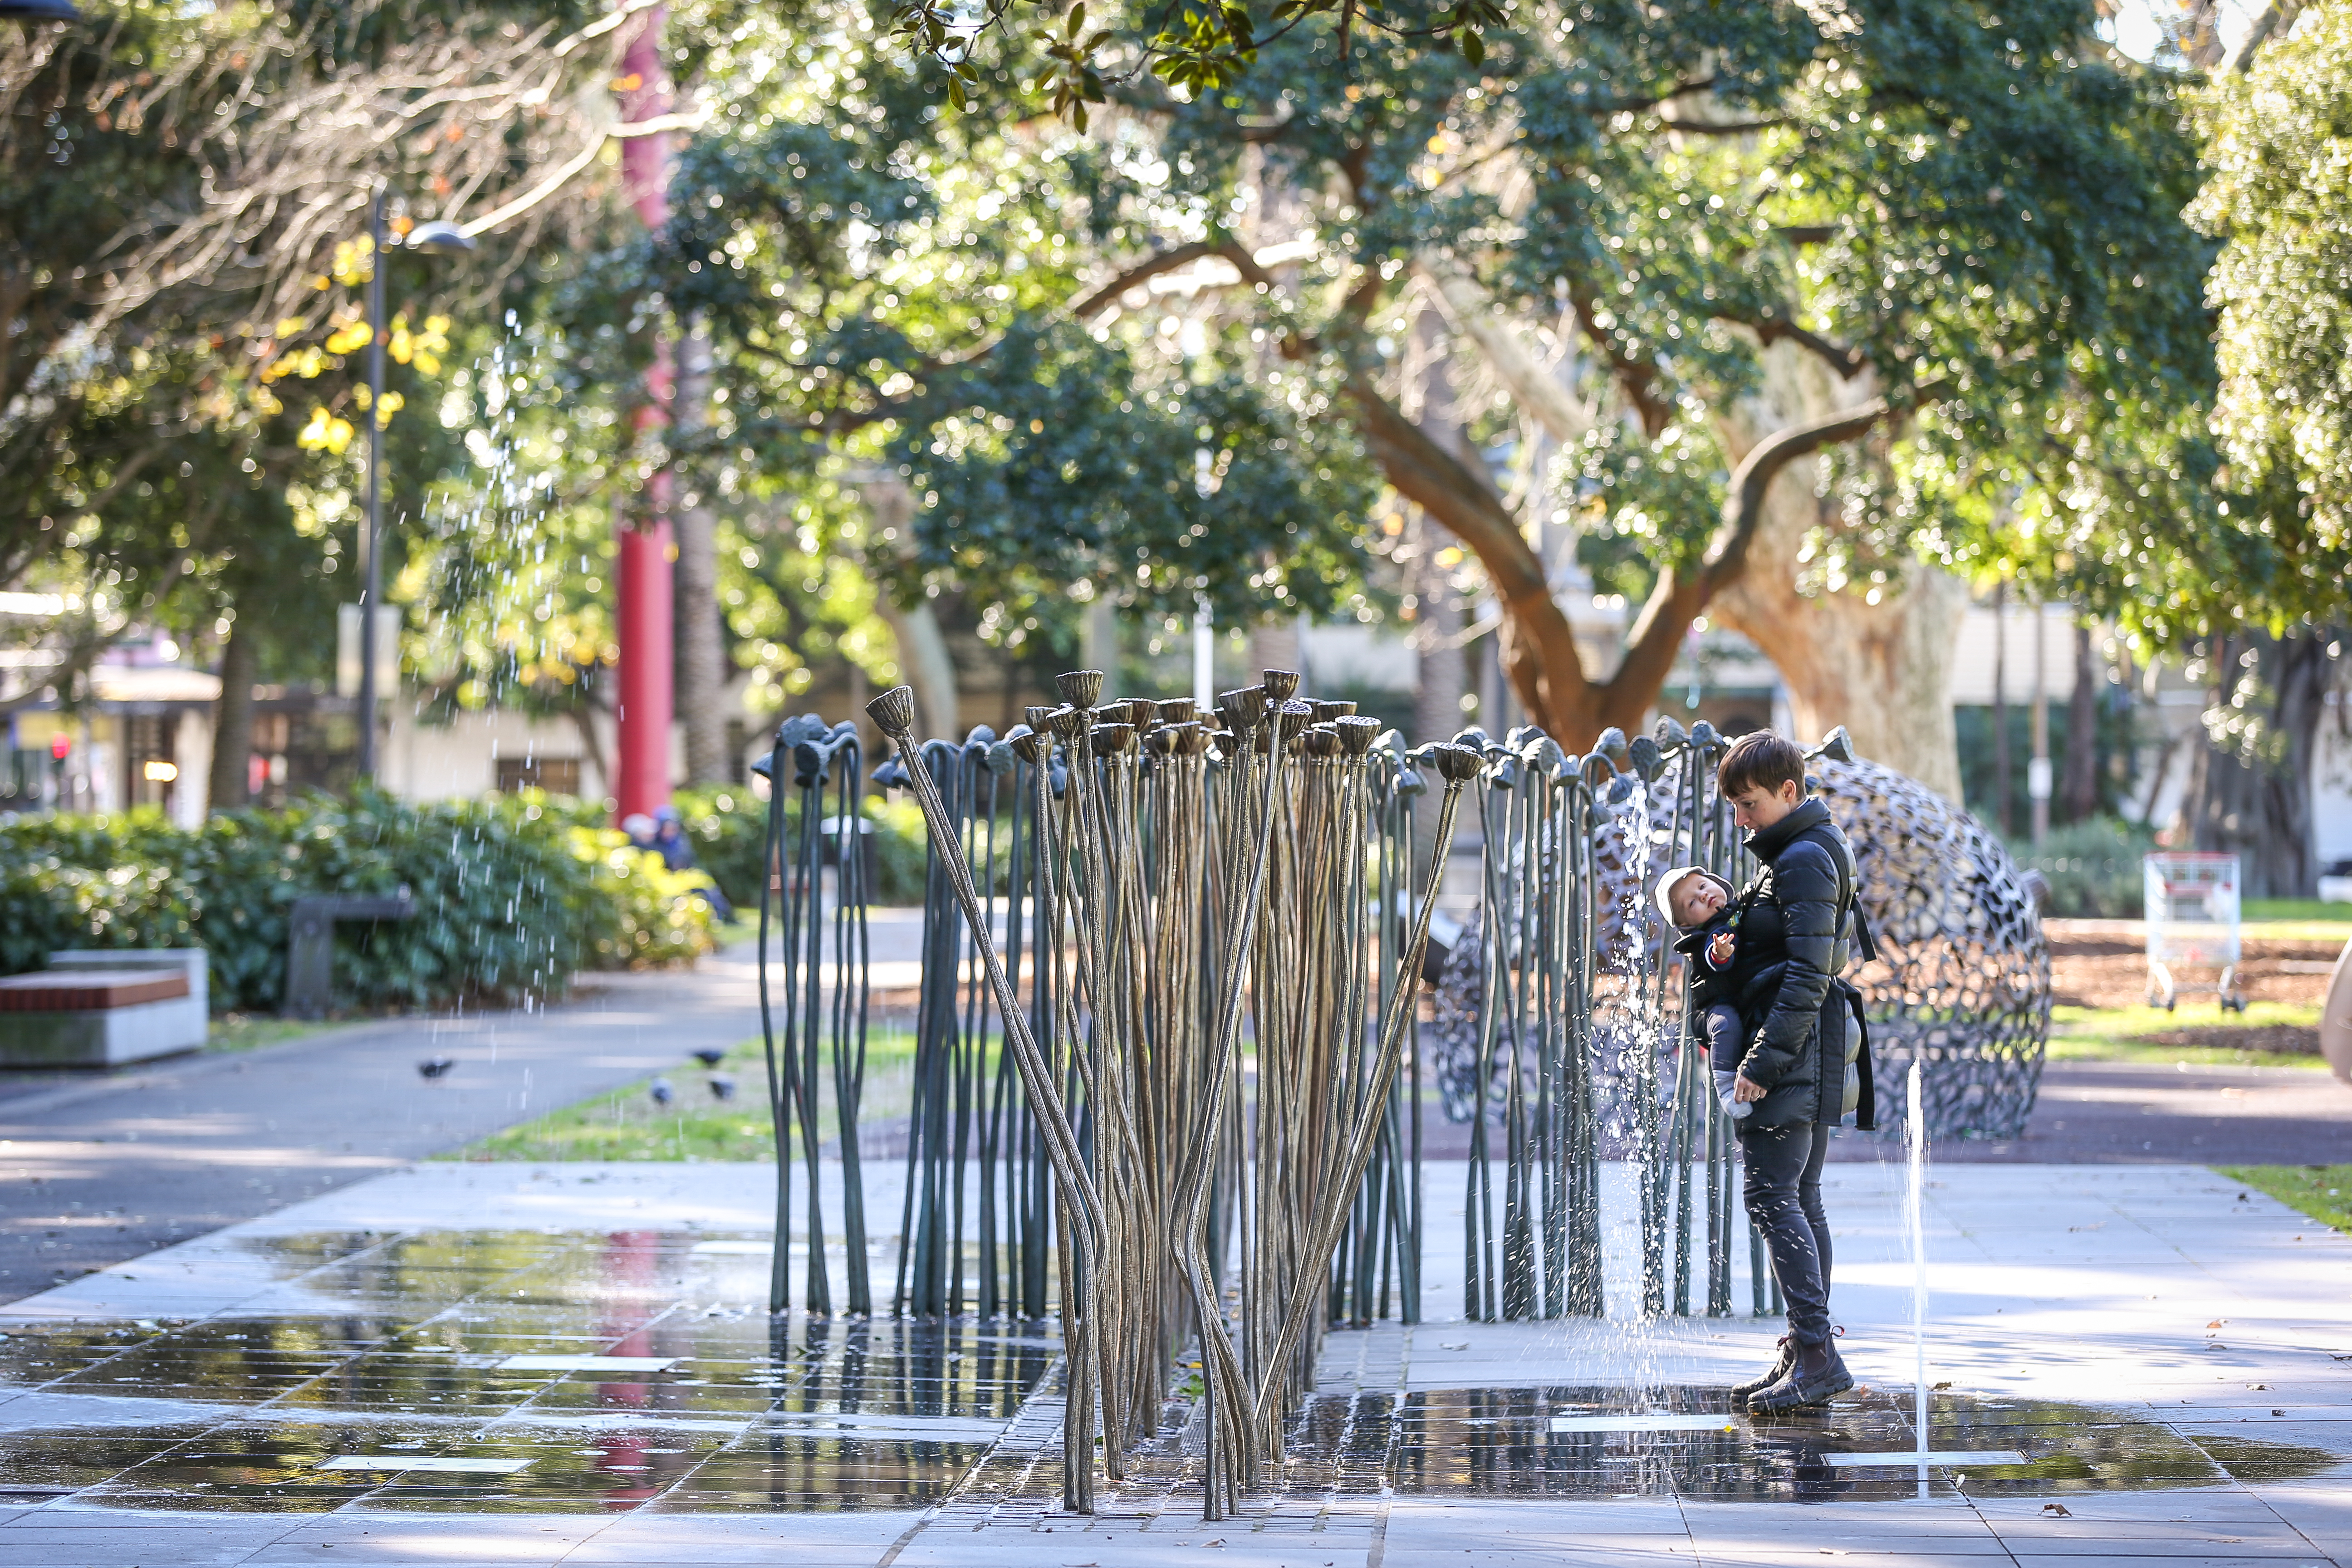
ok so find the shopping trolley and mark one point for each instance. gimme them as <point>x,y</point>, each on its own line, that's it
<point>2192,920</point>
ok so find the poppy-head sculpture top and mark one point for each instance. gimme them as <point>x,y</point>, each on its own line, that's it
<point>894,711</point>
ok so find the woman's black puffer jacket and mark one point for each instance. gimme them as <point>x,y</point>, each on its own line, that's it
<point>1793,939</point>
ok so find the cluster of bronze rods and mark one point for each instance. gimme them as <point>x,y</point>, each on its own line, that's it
<point>1221,999</point>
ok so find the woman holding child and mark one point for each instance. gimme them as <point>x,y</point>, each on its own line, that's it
<point>1783,1035</point>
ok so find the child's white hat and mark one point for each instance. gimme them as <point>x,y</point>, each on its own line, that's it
<point>1667,883</point>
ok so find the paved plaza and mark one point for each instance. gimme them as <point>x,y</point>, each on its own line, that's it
<point>539,1364</point>
<point>99,1167</point>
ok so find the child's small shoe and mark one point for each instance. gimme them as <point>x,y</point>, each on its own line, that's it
<point>1733,1106</point>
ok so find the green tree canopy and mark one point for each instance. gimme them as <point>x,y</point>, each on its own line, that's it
<point>2278,197</point>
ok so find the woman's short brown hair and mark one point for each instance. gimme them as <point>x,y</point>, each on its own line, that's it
<point>1761,757</point>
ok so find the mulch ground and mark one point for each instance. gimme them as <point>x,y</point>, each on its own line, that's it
<point>2099,971</point>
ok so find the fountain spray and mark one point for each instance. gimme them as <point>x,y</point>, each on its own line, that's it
<point>1915,1135</point>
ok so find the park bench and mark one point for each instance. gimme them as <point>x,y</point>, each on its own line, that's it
<point>104,1008</point>
<point>311,943</point>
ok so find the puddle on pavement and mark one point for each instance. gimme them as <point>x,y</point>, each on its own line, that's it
<point>395,1345</point>
<point>2252,1459</point>
<point>1500,1443</point>
<point>391,1347</point>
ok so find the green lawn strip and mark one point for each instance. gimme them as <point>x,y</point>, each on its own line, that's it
<point>2137,1035</point>
<point>229,1032</point>
<point>2323,1192</point>
<point>2311,910</point>
<point>742,927</point>
<point>627,1124</point>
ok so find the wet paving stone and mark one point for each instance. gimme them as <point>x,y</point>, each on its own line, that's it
<point>83,1457</point>
<point>395,1348</point>
<point>396,1345</point>
<point>1499,1443</point>
<point>33,1356</point>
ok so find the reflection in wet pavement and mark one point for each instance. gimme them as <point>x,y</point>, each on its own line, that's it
<point>404,1347</point>
<point>533,1372</point>
<point>1500,1443</point>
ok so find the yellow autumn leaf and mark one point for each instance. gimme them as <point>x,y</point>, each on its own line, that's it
<point>387,408</point>
<point>429,363</point>
<point>325,432</point>
<point>292,325</point>
<point>345,339</point>
<point>306,363</point>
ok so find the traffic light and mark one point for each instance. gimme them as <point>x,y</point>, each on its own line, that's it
<point>60,746</point>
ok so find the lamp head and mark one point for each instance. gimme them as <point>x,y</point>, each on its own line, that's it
<point>437,237</point>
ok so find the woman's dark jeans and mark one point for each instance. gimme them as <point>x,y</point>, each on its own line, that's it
<point>1783,1189</point>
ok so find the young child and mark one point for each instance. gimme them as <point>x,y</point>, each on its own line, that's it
<point>1698,903</point>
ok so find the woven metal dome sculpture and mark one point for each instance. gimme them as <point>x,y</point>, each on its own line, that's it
<point>1963,978</point>
<point>1962,981</point>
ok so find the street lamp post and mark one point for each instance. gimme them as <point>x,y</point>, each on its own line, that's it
<point>432,238</point>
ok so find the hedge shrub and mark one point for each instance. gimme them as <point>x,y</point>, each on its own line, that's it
<point>2094,868</point>
<point>514,894</point>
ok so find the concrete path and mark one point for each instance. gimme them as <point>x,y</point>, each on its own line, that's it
<point>97,1171</point>
<point>2150,1113</point>
<point>2095,1113</point>
<point>2169,1299</point>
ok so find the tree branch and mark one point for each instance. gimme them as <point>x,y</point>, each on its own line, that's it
<point>1678,598</point>
<point>1743,507</point>
<point>603,24</point>
<point>1540,651</point>
<point>1162,261</point>
<point>1777,327</point>
<point>1470,310</point>
<point>1723,128</point>
<point>579,163</point>
<point>2276,18</point>
<point>1637,378</point>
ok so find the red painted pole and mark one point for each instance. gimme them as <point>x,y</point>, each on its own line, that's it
<point>646,693</point>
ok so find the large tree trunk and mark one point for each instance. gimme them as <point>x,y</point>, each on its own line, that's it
<point>2081,791</point>
<point>924,662</point>
<point>1274,645</point>
<point>701,664</point>
<point>1099,643</point>
<point>233,725</point>
<point>1881,670</point>
<point>1439,678</point>
<point>2254,798</point>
